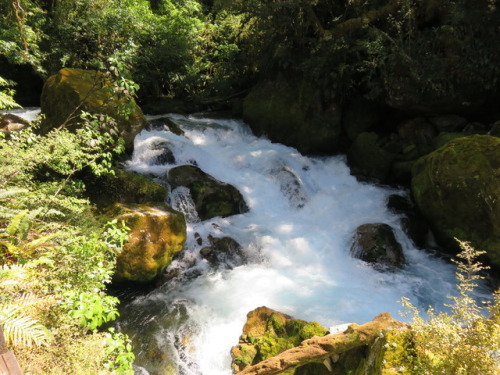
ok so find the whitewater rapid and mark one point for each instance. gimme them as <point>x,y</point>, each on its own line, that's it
<point>297,235</point>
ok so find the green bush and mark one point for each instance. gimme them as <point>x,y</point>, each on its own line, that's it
<point>465,341</point>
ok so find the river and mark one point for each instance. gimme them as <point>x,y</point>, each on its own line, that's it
<point>302,214</point>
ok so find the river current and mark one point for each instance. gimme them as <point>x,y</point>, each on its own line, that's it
<point>297,233</point>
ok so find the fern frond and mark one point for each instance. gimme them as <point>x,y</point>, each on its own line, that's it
<point>6,193</point>
<point>11,248</point>
<point>20,328</point>
<point>7,213</point>
<point>13,274</point>
<point>39,242</point>
<point>17,223</point>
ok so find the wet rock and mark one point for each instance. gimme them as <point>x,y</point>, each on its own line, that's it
<point>293,113</point>
<point>416,136</point>
<point>156,234</point>
<point>225,252</point>
<point>211,197</point>
<point>165,123</point>
<point>12,123</point>
<point>376,244</point>
<point>457,189</point>
<point>267,333</point>
<point>291,186</point>
<point>71,91</point>
<point>165,155</point>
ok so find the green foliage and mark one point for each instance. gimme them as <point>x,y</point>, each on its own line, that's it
<point>119,349</point>
<point>54,252</point>
<point>465,340</point>
<point>90,309</point>
<point>6,95</point>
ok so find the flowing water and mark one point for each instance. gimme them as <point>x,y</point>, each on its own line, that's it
<point>296,238</point>
<point>296,235</point>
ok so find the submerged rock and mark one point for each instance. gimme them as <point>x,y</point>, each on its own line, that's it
<point>267,333</point>
<point>376,244</point>
<point>211,197</point>
<point>457,189</point>
<point>156,234</point>
<point>71,91</point>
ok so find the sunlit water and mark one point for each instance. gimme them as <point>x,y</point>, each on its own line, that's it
<point>297,235</point>
<point>298,231</point>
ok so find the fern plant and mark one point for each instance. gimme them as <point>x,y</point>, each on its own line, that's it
<point>19,327</point>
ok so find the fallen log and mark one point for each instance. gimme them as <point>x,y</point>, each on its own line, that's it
<point>321,349</point>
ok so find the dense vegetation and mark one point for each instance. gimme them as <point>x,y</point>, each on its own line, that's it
<point>214,50</point>
<point>56,257</point>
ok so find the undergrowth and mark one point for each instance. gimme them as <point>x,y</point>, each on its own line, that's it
<point>56,257</point>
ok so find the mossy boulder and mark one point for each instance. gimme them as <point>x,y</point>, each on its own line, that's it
<point>124,187</point>
<point>71,91</point>
<point>211,197</point>
<point>267,333</point>
<point>295,114</point>
<point>457,189</point>
<point>376,244</point>
<point>156,234</point>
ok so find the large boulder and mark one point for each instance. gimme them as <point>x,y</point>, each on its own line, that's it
<point>457,189</point>
<point>71,91</point>
<point>376,244</point>
<point>156,234</point>
<point>211,197</point>
<point>293,114</point>
<point>267,333</point>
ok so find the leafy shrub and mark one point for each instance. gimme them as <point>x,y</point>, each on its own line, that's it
<point>464,341</point>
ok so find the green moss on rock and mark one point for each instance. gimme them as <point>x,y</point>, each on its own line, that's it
<point>71,91</point>
<point>268,332</point>
<point>156,234</point>
<point>211,197</point>
<point>457,189</point>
